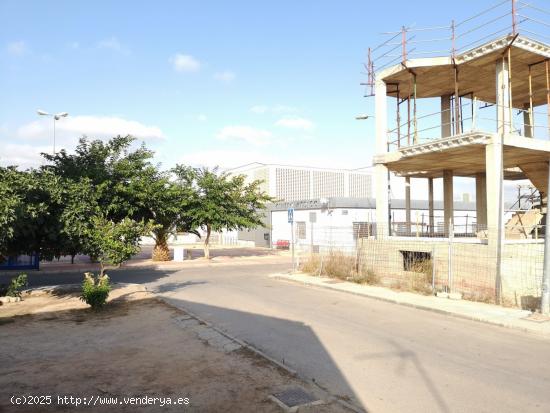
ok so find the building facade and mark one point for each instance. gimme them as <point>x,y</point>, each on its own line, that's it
<point>296,183</point>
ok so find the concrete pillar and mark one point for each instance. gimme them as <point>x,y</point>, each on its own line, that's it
<point>382,201</point>
<point>448,201</point>
<point>481,201</point>
<point>381,114</point>
<point>445,116</point>
<point>408,204</point>
<point>503,97</point>
<point>380,170</point>
<point>431,218</point>
<point>527,127</point>
<point>495,206</point>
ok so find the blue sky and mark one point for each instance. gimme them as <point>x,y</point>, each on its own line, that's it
<point>209,82</point>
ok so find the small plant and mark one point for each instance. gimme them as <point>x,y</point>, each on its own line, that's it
<point>95,290</point>
<point>13,289</point>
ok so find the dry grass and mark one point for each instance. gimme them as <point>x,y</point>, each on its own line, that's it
<point>341,266</point>
<point>337,264</point>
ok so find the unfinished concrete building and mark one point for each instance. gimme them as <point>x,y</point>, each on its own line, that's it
<point>479,111</point>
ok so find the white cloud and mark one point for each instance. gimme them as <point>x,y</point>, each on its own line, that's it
<point>23,155</point>
<point>247,134</point>
<point>225,77</point>
<point>202,117</point>
<point>93,126</point>
<point>112,43</point>
<point>18,48</point>
<point>185,63</point>
<point>295,123</point>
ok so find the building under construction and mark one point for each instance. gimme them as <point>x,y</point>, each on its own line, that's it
<point>470,99</point>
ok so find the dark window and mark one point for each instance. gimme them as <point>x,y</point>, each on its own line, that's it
<point>417,261</point>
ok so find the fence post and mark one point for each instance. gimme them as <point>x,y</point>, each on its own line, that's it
<point>545,296</point>
<point>433,268</point>
<point>450,258</point>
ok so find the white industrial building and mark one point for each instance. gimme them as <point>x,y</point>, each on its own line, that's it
<point>297,183</point>
<point>335,206</point>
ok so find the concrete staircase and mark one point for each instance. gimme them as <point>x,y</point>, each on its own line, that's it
<point>524,224</point>
<point>537,173</point>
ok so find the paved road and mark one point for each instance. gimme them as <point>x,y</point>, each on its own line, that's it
<point>382,356</point>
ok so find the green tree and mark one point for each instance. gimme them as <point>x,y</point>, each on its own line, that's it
<point>113,242</point>
<point>125,185</point>
<point>9,203</point>
<point>164,201</point>
<point>34,204</point>
<point>223,202</point>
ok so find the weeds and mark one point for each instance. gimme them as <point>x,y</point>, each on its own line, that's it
<point>13,289</point>
<point>95,290</point>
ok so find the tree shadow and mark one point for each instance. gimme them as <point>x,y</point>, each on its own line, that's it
<point>169,287</point>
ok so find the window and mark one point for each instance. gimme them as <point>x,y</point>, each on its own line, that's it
<point>300,229</point>
<point>361,230</point>
<point>417,261</point>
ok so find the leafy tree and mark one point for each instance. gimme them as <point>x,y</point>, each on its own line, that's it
<point>223,202</point>
<point>125,185</point>
<point>111,166</point>
<point>34,206</point>
<point>9,203</point>
<point>113,243</point>
<point>164,201</point>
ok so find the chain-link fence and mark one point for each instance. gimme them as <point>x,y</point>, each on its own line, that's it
<point>465,262</point>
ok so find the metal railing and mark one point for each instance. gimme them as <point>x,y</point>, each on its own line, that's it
<point>508,17</point>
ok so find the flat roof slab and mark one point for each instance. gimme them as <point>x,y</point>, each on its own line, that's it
<point>476,72</point>
<point>464,155</point>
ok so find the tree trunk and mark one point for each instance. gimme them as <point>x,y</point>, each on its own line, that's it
<point>207,243</point>
<point>161,252</point>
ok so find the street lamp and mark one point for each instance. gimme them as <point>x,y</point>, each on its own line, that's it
<point>55,117</point>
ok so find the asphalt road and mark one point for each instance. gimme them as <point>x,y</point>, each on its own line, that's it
<point>381,356</point>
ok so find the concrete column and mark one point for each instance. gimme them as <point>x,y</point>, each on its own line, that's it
<point>381,114</point>
<point>495,206</point>
<point>382,201</point>
<point>527,127</point>
<point>380,170</point>
<point>481,201</point>
<point>448,201</point>
<point>408,204</point>
<point>503,97</point>
<point>445,116</point>
<point>431,218</point>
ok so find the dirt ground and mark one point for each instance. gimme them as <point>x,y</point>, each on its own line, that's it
<point>52,344</point>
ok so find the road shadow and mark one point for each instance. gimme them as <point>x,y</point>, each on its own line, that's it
<point>278,331</point>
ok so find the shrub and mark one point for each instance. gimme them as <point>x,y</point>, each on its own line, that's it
<point>13,289</point>
<point>95,290</point>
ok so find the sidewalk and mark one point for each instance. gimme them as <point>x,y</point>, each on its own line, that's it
<point>486,313</point>
<point>140,263</point>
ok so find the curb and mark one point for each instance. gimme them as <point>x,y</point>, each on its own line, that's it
<point>176,266</point>
<point>418,306</point>
<point>260,353</point>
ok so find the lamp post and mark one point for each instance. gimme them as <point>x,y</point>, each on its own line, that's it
<point>55,117</point>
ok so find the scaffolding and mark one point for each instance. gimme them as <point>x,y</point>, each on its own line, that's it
<point>509,19</point>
